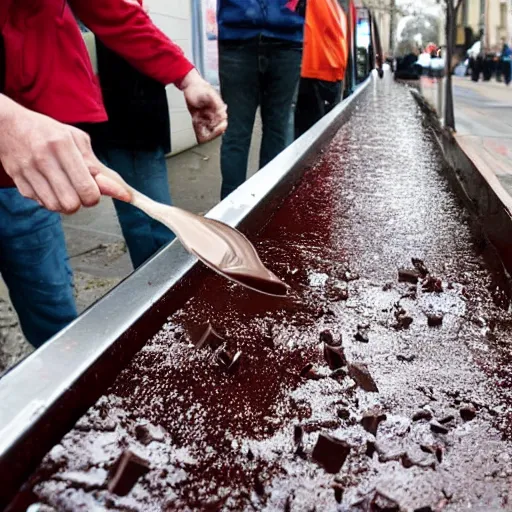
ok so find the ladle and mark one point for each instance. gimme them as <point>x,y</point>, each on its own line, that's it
<point>219,246</point>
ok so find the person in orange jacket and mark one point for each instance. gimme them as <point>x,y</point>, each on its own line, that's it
<point>324,61</point>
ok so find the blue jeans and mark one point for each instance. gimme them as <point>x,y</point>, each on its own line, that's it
<point>147,172</point>
<point>34,265</point>
<point>261,72</point>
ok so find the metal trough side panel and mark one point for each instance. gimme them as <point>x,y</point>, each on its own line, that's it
<point>43,397</point>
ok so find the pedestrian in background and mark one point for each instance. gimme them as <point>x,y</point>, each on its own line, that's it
<point>260,50</point>
<point>324,61</point>
<point>506,64</point>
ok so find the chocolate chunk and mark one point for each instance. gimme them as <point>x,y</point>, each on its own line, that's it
<point>259,488</point>
<point>371,448</point>
<point>382,503</point>
<point>125,473</point>
<point>434,450</point>
<point>338,492</point>
<point>434,319</point>
<point>339,374</point>
<point>250,455</point>
<point>468,412</point>
<point>408,275</point>
<point>371,419</point>
<point>446,419</point>
<point>427,508</point>
<point>298,434</point>
<point>406,358</point>
<point>361,375</point>
<point>343,413</point>
<point>330,453</point>
<point>406,461</point>
<point>432,284</point>
<point>403,321</point>
<point>309,372</point>
<point>362,333</point>
<point>209,337</point>
<point>334,356</point>
<point>387,287</point>
<point>436,427</point>
<point>142,434</point>
<point>439,454</point>
<point>420,267</point>
<point>327,337</point>
<point>227,361</point>
<point>423,414</point>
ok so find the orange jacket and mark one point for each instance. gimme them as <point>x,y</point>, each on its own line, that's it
<point>325,41</point>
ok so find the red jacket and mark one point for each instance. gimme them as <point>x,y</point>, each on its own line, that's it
<point>48,69</point>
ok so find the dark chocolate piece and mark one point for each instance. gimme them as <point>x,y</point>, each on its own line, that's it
<point>334,356</point>
<point>387,287</point>
<point>327,337</point>
<point>343,413</point>
<point>406,461</point>
<point>436,427</point>
<point>420,267</point>
<point>446,419</point>
<point>432,284</point>
<point>125,473</point>
<point>434,319</point>
<point>259,488</point>
<point>423,414</point>
<point>371,448</point>
<point>361,375</point>
<point>362,333</point>
<point>467,412</point>
<point>382,503</point>
<point>209,338</point>
<point>227,361</point>
<point>406,358</point>
<point>298,434</point>
<point>338,492</point>
<point>339,374</point>
<point>309,372</point>
<point>371,419</point>
<point>330,452</point>
<point>408,275</point>
<point>427,508</point>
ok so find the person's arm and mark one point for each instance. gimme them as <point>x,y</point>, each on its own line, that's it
<point>51,162</point>
<point>125,28</point>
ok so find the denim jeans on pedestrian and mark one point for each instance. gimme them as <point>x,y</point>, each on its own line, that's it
<point>147,172</point>
<point>34,265</point>
<point>261,72</point>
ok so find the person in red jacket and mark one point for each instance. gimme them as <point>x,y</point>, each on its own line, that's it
<point>47,89</point>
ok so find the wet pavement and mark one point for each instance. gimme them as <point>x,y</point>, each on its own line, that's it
<point>410,411</point>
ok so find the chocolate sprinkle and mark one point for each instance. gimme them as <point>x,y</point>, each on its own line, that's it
<point>125,473</point>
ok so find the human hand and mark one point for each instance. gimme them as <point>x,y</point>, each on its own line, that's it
<point>208,111</point>
<point>51,162</point>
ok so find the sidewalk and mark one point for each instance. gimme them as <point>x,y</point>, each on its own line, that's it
<point>483,120</point>
<point>95,244</point>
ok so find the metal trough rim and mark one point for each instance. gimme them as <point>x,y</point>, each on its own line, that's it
<point>35,387</point>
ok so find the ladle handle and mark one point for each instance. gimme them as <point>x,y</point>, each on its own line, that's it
<point>141,201</point>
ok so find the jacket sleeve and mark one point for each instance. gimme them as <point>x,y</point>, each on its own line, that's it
<point>125,28</point>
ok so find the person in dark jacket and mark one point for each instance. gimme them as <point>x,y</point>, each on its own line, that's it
<point>260,50</point>
<point>135,141</point>
<point>506,58</point>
